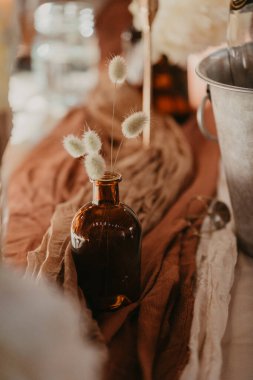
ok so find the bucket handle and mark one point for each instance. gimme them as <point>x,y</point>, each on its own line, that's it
<point>201,117</point>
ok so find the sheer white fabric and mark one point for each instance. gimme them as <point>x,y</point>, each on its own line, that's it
<point>237,343</point>
<point>216,260</point>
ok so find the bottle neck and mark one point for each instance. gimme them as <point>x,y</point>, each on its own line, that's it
<point>106,190</point>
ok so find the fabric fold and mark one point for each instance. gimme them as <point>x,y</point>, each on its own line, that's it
<point>147,339</point>
<point>215,260</point>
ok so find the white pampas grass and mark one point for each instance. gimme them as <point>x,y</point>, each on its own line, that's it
<point>95,166</point>
<point>183,27</point>
<point>92,142</point>
<point>134,124</point>
<point>117,70</point>
<point>74,146</point>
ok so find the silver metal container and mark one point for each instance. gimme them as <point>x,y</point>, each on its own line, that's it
<point>233,112</point>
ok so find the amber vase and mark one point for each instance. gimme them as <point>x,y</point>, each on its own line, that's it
<point>106,244</point>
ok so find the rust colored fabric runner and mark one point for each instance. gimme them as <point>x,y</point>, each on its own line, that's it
<point>149,339</point>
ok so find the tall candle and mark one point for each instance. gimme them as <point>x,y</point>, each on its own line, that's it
<point>146,105</point>
<point>147,10</point>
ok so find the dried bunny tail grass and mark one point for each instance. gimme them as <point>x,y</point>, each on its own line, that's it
<point>95,166</point>
<point>74,146</point>
<point>117,73</point>
<point>117,70</point>
<point>134,124</point>
<point>92,142</point>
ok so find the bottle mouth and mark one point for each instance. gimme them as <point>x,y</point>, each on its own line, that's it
<point>108,177</point>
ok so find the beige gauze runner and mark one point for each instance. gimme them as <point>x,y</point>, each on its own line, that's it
<point>216,259</point>
<point>152,179</point>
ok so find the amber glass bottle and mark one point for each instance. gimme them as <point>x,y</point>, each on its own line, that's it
<point>106,244</point>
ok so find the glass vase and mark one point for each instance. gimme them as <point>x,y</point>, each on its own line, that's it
<point>106,245</point>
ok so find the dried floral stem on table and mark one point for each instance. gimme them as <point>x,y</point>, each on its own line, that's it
<point>89,146</point>
<point>132,127</point>
<point>117,74</point>
<point>113,114</point>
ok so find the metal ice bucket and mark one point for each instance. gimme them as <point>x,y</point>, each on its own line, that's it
<point>233,112</point>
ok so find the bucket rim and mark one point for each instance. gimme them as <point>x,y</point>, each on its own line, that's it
<point>201,68</point>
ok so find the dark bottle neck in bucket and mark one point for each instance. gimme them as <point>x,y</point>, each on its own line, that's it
<point>106,189</point>
<point>237,5</point>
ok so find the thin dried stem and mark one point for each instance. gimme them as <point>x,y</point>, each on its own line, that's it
<point>113,114</point>
<point>117,155</point>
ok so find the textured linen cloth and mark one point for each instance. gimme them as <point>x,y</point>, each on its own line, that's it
<point>237,344</point>
<point>147,339</point>
<point>216,259</point>
<point>221,341</point>
<point>156,175</point>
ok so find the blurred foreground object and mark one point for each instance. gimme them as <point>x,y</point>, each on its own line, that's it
<point>65,53</point>
<point>41,335</point>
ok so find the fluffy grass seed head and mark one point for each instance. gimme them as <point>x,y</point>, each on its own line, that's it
<point>74,146</point>
<point>117,70</point>
<point>94,165</point>
<point>92,142</point>
<point>134,124</point>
